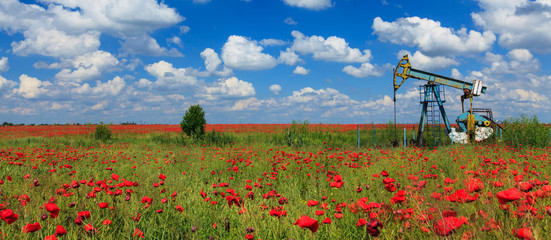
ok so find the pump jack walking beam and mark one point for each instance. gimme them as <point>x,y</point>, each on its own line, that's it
<point>407,71</point>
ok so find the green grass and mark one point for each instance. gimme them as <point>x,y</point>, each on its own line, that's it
<point>299,173</point>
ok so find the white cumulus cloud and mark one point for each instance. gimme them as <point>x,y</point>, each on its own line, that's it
<point>431,38</point>
<point>365,70</point>
<point>301,70</point>
<point>56,43</point>
<point>68,28</point>
<point>420,61</point>
<point>228,88</point>
<point>289,57</point>
<point>275,89</point>
<point>310,4</point>
<point>4,66</point>
<point>112,87</point>
<point>30,87</point>
<point>242,53</point>
<point>168,77</point>
<point>88,66</point>
<point>519,23</point>
<point>250,104</point>
<point>332,49</point>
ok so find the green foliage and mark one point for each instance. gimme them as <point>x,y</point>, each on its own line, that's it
<point>102,133</point>
<point>525,130</point>
<point>301,134</point>
<point>218,138</point>
<point>293,136</point>
<point>193,124</point>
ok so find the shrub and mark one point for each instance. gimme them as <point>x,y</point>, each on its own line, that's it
<point>193,124</point>
<point>525,130</point>
<point>103,132</point>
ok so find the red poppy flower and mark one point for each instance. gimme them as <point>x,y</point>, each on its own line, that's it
<point>179,208</point>
<point>115,177</point>
<point>53,209</point>
<point>337,181</point>
<point>138,233</point>
<point>90,229</point>
<point>449,213</point>
<point>162,177</point>
<point>390,187</point>
<point>447,225</point>
<point>103,205</point>
<point>474,185</point>
<point>522,233</point>
<point>84,214</point>
<point>461,196</point>
<point>50,237</point>
<point>437,196</point>
<point>311,203</point>
<point>399,197</point>
<point>525,186</point>
<point>509,195</point>
<point>326,221</point>
<point>372,227</point>
<point>361,222</point>
<point>307,222</point>
<point>388,180</point>
<point>60,231</point>
<point>249,236</point>
<point>31,227</point>
<point>9,216</point>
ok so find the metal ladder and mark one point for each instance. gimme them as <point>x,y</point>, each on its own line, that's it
<point>433,117</point>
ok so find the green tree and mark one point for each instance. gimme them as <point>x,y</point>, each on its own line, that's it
<point>194,122</point>
<point>102,132</point>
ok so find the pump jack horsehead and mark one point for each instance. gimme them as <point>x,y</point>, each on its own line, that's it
<point>467,121</point>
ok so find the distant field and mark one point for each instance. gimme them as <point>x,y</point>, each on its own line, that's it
<point>64,130</point>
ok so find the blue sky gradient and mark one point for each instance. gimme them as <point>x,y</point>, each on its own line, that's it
<point>265,61</point>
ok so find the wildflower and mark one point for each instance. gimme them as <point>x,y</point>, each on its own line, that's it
<point>90,229</point>
<point>138,233</point>
<point>307,222</point>
<point>311,203</point>
<point>509,195</point>
<point>373,228</point>
<point>31,227</point>
<point>447,225</point>
<point>523,233</point>
<point>60,231</point>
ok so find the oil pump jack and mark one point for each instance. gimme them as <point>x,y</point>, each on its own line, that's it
<point>466,121</point>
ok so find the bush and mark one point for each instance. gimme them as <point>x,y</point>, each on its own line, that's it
<point>525,130</point>
<point>193,124</point>
<point>103,132</point>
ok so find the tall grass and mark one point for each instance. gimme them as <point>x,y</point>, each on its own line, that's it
<point>524,130</point>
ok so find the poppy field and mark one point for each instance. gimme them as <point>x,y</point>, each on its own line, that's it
<point>259,190</point>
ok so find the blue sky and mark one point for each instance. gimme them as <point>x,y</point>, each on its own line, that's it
<point>265,61</point>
